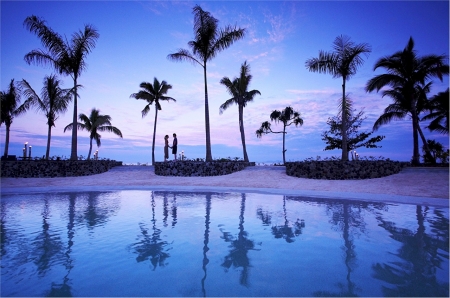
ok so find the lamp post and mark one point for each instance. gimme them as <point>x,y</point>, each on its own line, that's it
<point>182,154</point>
<point>29,154</point>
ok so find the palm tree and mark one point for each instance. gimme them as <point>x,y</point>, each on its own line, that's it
<point>68,58</point>
<point>238,89</point>
<point>408,75</point>
<point>93,124</point>
<point>343,62</point>
<point>287,116</point>
<point>10,109</point>
<point>153,94</point>
<point>53,101</point>
<point>208,42</point>
<point>439,110</point>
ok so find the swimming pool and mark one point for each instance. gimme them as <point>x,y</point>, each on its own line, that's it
<point>163,243</point>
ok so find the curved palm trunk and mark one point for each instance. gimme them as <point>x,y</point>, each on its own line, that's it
<point>154,135</point>
<point>73,152</point>
<point>7,140</point>
<point>425,144</point>
<point>344,124</point>
<point>90,150</point>
<point>47,152</point>
<point>208,137</point>
<point>241,128</point>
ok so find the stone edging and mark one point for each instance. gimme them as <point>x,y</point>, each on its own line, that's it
<point>348,170</point>
<point>55,168</point>
<point>199,168</point>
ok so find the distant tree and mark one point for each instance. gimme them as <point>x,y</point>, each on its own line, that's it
<point>408,75</point>
<point>439,110</point>
<point>153,93</point>
<point>11,108</point>
<point>53,101</point>
<point>208,42</point>
<point>287,116</point>
<point>437,152</point>
<point>333,136</point>
<point>94,124</point>
<point>68,58</point>
<point>238,89</point>
<point>342,63</point>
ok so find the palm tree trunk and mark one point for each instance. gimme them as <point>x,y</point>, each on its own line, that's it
<point>425,145</point>
<point>415,122</point>
<point>73,152</point>
<point>154,135</point>
<point>90,149</point>
<point>7,141</point>
<point>208,136</point>
<point>47,152</point>
<point>241,128</point>
<point>344,124</point>
<point>284,150</point>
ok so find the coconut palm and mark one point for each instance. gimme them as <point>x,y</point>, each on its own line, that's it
<point>287,116</point>
<point>439,111</point>
<point>408,75</point>
<point>342,63</point>
<point>93,124</point>
<point>68,58</point>
<point>209,41</point>
<point>11,108</point>
<point>53,100</point>
<point>238,89</point>
<point>153,93</point>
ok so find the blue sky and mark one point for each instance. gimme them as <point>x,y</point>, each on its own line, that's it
<point>136,37</point>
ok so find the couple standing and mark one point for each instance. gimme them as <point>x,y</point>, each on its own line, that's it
<point>174,147</point>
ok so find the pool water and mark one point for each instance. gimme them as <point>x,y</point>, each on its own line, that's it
<point>155,243</point>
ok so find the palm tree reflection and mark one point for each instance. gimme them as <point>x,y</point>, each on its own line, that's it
<point>421,257</point>
<point>238,255</point>
<point>150,245</point>
<point>206,241</point>
<point>286,231</point>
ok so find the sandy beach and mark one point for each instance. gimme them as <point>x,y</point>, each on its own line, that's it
<point>412,185</point>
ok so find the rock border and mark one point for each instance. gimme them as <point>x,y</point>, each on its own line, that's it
<point>199,168</point>
<point>55,168</point>
<point>344,170</point>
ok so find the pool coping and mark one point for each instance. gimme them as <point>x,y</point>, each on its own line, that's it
<point>315,194</point>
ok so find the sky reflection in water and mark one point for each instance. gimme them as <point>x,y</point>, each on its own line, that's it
<point>144,243</point>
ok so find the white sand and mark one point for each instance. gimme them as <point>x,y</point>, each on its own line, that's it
<point>419,183</point>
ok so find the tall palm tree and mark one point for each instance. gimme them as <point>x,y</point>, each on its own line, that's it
<point>153,93</point>
<point>407,74</point>
<point>68,58</point>
<point>439,110</point>
<point>342,63</point>
<point>11,108</point>
<point>93,124</point>
<point>288,117</point>
<point>238,89</point>
<point>208,42</point>
<point>53,100</point>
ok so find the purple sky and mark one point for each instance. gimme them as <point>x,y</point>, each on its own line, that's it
<point>136,37</point>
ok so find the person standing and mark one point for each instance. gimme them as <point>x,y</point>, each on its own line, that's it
<point>166,147</point>
<point>174,146</point>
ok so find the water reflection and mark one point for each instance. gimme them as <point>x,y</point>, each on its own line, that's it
<point>421,256</point>
<point>44,239</point>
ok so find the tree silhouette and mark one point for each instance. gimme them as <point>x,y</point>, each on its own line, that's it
<point>68,58</point>
<point>238,89</point>
<point>287,116</point>
<point>153,93</point>
<point>93,124</point>
<point>342,63</point>
<point>209,41</point>
<point>53,100</point>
